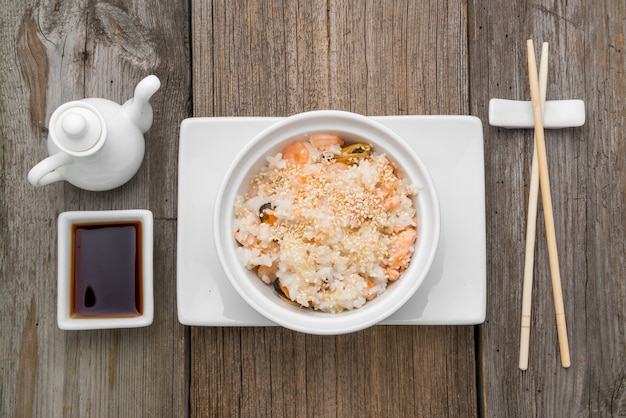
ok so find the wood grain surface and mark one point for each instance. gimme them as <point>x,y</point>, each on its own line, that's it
<point>588,180</point>
<point>276,58</point>
<point>51,53</point>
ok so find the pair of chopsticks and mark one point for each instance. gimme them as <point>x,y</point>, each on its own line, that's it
<point>539,178</point>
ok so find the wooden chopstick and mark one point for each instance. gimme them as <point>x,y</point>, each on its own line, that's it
<point>546,199</point>
<point>531,224</point>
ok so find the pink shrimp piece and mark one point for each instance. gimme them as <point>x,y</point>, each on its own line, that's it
<point>392,274</point>
<point>392,202</point>
<point>324,141</point>
<point>296,154</point>
<point>267,273</point>
<point>246,239</point>
<point>336,167</point>
<point>400,253</point>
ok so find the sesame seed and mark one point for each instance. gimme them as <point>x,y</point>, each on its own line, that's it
<point>340,219</point>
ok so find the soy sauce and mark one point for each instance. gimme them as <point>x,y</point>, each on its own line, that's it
<point>106,270</point>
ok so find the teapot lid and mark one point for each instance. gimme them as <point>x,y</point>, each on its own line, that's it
<point>77,127</point>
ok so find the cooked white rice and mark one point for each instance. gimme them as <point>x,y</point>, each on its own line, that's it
<point>331,237</point>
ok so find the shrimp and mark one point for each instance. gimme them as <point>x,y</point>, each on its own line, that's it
<point>400,250</point>
<point>246,239</point>
<point>296,154</point>
<point>334,168</point>
<point>386,193</point>
<point>324,141</point>
<point>267,273</point>
<point>391,202</point>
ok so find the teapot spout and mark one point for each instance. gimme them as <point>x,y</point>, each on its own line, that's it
<point>138,108</point>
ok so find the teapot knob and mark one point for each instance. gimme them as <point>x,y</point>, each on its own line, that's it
<point>74,124</point>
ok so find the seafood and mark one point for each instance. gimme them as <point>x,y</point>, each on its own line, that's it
<point>296,154</point>
<point>325,141</point>
<point>329,226</point>
<point>352,153</point>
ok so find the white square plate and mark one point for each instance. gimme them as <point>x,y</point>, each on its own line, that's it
<point>451,147</point>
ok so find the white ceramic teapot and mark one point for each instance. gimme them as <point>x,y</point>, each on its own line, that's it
<point>97,144</point>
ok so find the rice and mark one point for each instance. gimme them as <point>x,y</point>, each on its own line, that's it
<point>333,234</point>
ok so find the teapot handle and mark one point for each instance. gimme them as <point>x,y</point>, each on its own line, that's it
<point>45,172</point>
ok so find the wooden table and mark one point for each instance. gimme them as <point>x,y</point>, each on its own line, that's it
<point>264,58</point>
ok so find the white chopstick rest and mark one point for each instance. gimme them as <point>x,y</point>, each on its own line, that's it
<point>515,114</point>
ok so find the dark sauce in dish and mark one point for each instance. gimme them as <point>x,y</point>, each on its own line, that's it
<point>106,270</point>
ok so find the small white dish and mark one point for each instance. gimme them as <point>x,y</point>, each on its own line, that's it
<point>451,147</point>
<point>105,269</point>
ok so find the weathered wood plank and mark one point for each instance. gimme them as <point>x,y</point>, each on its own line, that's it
<point>401,58</point>
<point>587,174</point>
<point>52,53</point>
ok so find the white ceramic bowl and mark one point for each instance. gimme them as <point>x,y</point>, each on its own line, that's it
<point>352,128</point>
<point>119,257</point>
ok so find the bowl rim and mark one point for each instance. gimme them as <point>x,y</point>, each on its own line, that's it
<point>307,321</point>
